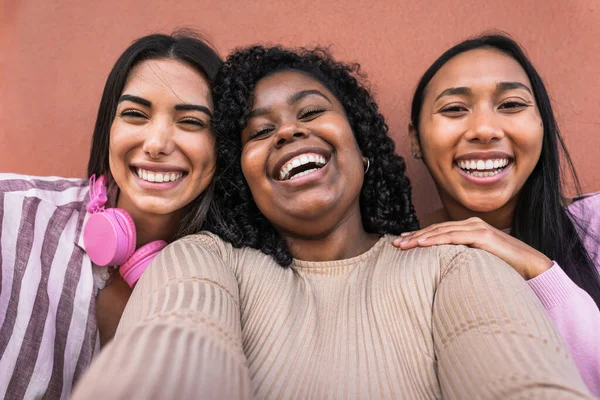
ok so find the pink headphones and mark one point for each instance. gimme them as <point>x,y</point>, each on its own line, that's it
<point>109,237</point>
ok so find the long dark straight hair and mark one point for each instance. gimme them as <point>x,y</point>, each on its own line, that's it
<point>540,219</point>
<point>183,45</point>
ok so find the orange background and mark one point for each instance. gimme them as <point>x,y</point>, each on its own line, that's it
<point>55,56</point>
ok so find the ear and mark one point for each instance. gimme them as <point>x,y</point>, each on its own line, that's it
<point>415,145</point>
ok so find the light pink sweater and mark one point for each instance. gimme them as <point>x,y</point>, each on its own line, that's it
<point>570,307</point>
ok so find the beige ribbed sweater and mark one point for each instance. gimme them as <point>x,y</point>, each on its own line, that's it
<point>210,321</point>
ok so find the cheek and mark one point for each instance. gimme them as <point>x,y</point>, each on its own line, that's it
<point>253,165</point>
<point>201,151</point>
<point>529,142</point>
<point>438,138</point>
<point>117,148</point>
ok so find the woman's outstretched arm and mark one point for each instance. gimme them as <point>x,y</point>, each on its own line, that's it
<point>180,335</point>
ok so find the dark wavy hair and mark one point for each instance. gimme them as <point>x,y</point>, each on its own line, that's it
<point>385,198</point>
<point>540,219</point>
<point>183,45</point>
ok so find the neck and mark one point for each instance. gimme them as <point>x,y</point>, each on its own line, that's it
<point>345,240</point>
<point>500,218</point>
<point>151,227</point>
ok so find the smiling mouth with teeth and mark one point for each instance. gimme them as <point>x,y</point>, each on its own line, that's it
<point>301,165</point>
<point>483,168</point>
<point>158,177</point>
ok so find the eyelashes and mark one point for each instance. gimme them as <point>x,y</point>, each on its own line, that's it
<point>508,106</point>
<point>193,121</point>
<point>136,116</point>
<point>307,114</point>
<point>311,112</point>
<point>132,114</point>
<point>513,104</point>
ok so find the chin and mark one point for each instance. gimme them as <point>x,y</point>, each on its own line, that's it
<point>155,207</point>
<point>484,206</point>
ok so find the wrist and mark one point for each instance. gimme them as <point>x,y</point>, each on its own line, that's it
<point>541,265</point>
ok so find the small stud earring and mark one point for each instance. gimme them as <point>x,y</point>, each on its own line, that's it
<point>368,165</point>
<point>416,154</point>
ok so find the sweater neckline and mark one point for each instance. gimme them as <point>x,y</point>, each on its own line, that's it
<point>302,264</point>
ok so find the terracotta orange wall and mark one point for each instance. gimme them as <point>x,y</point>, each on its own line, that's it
<point>56,55</point>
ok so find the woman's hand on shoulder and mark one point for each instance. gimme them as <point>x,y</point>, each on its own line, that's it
<point>474,232</point>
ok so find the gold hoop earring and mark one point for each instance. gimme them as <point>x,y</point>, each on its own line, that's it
<point>368,165</point>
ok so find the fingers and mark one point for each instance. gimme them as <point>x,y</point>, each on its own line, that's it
<point>409,239</point>
<point>457,235</point>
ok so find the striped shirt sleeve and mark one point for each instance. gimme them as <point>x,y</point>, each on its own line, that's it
<point>47,324</point>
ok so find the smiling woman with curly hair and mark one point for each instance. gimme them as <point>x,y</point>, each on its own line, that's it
<point>309,180</point>
<point>385,197</point>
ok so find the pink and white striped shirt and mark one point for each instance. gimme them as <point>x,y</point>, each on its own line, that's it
<point>48,332</point>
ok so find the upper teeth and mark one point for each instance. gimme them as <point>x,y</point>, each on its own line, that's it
<point>483,164</point>
<point>152,176</point>
<point>302,159</point>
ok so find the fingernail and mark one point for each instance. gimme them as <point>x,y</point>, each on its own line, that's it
<point>403,242</point>
<point>405,233</point>
<point>421,240</point>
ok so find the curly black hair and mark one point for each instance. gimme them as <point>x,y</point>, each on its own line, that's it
<point>385,199</point>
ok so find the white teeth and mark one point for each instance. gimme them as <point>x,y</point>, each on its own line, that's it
<point>158,177</point>
<point>300,160</point>
<point>308,171</point>
<point>483,165</point>
<point>484,174</point>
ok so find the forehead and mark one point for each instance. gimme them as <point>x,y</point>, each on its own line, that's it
<point>281,85</point>
<point>170,78</point>
<point>479,67</point>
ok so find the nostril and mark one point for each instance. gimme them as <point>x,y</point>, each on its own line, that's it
<point>298,134</point>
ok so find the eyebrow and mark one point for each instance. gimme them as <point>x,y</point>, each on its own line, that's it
<point>453,91</point>
<point>296,97</point>
<point>178,107</point>
<point>135,99</point>
<point>193,107</point>
<point>500,87</point>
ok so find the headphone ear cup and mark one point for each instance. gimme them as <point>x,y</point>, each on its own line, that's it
<point>109,237</point>
<point>139,261</point>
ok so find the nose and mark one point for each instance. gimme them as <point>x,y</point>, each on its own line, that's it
<point>288,132</point>
<point>485,126</point>
<point>158,140</point>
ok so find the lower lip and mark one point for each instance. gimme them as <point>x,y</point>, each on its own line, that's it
<point>488,180</point>
<point>314,176</point>
<point>157,185</point>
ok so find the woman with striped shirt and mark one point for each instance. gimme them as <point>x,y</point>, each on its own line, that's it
<point>153,146</point>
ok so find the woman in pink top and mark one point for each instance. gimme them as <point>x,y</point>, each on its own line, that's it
<point>482,123</point>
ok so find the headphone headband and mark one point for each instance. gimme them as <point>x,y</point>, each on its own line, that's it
<point>97,195</point>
